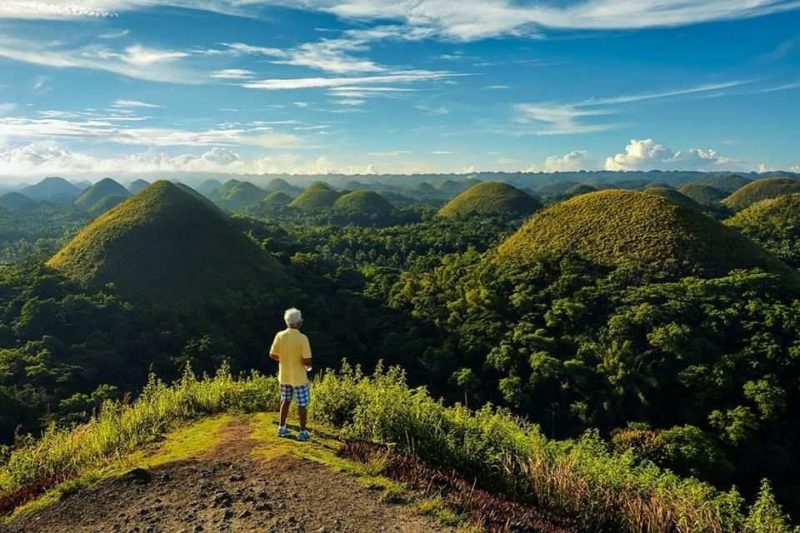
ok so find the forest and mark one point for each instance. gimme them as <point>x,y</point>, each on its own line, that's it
<point>660,312</point>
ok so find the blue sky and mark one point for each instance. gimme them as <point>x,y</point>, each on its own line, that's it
<point>149,87</point>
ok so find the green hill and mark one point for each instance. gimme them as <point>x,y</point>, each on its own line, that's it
<point>138,186</point>
<point>616,227</point>
<point>726,183</point>
<point>94,194</point>
<point>53,190</point>
<point>237,195</point>
<point>14,201</point>
<point>166,245</point>
<point>674,196</point>
<point>276,199</point>
<point>363,203</point>
<point>105,204</point>
<point>490,198</point>
<point>775,224</point>
<point>579,189</point>
<point>209,187</point>
<point>762,189</point>
<point>281,185</point>
<point>317,196</point>
<point>702,193</point>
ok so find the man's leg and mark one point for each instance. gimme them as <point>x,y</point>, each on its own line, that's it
<point>286,401</point>
<point>303,412</point>
<point>285,411</point>
<point>303,394</point>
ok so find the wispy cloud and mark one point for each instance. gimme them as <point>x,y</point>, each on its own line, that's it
<point>134,104</point>
<point>433,110</point>
<point>408,76</point>
<point>232,74</point>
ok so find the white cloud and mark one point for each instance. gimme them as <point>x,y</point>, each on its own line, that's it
<point>572,161</point>
<point>464,21</point>
<point>433,110</point>
<point>232,74</point>
<point>406,76</point>
<point>646,154</point>
<point>135,61</point>
<point>794,168</point>
<point>128,104</point>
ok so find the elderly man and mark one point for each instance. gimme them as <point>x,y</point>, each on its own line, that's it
<point>293,352</point>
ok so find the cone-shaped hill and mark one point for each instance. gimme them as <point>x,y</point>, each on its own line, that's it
<point>579,189</point>
<point>616,227</point>
<point>317,196</point>
<point>702,193</point>
<point>236,195</point>
<point>490,198</point>
<point>138,186</point>
<point>14,201</point>
<point>675,197</point>
<point>725,183</point>
<point>100,190</point>
<point>363,203</point>
<point>166,246</point>
<point>54,190</point>
<point>775,224</point>
<point>276,199</point>
<point>762,189</point>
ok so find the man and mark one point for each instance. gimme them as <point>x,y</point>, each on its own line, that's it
<point>293,352</point>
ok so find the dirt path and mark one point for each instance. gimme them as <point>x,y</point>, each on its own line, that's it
<point>227,490</point>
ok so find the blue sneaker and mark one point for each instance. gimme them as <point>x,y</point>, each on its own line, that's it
<point>283,431</point>
<point>303,436</point>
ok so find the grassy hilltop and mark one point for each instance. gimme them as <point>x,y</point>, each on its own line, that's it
<point>617,227</point>
<point>315,197</point>
<point>775,224</point>
<point>761,190</point>
<point>167,244</point>
<point>99,191</point>
<point>490,198</point>
<point>363,203</point>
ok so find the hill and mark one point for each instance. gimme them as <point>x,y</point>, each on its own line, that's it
<point>281,185</point>
<point>14,201</point>
<point>165,245</point>
<point>758,190</point>
<point>316,197</point>
<point>675,197</point>
<point>209,187</point>
<point>775,224</point>
<point>237,195</point>
<point>725,183</point>
<point>617,227</point>
<point>138,186</point>
<point>105,204</point>
<point>702,193</point>
<point>490,198</point>
<point>276,199</point>
<point>100,190</point>
<point>363,203</point>
<point>579,189</point>
<point>53,190</point>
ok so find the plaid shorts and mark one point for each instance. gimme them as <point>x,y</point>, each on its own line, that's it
<point>303,394</point>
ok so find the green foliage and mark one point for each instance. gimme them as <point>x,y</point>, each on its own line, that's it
<point>91,199</point>
<point>317,196</point>
<point>759,190</point>
<point>775,224</point>
<point>237,195</point>
<point>14,201</point>
<point>490,198</point>
<point>702,194</point>
<point>616,227</point>
<point>766,515</point>
<point>366,203</point>
<point>166,245</point>
<point>674,196</point>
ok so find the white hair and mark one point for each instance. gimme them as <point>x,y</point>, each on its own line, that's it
<point>292,317</point>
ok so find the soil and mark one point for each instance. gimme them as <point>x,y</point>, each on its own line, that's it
<point>227,490</point>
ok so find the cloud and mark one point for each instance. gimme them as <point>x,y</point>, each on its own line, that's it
<point>572,161</point>
<point>433,110</point>
<point>407,76</point>
<point>464,21</point>
<point>7,108</point>
<point>135,61</point>
<point>567,118</point>
<point>646,154</point>
<point>232,74</point>
<point>135,104</point>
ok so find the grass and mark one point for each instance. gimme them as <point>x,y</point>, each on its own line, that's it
<point>100,190</point>
<point>775,224</point>
<point>166,244</point>
<point>617,227</point>
<point>490,198</point>
<point>702,194</point>
<point>363,203</point>
<point>759,190</point>
<point>315,197</point>
<point>580,479</point>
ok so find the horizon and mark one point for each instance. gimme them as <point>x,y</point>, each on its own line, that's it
<point>135,88</point>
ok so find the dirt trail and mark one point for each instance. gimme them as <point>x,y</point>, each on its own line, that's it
<point>227,490</point>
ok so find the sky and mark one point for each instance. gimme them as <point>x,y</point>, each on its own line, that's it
<point>144,87</point>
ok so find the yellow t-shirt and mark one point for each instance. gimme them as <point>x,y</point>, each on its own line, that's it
<point>291,347</point>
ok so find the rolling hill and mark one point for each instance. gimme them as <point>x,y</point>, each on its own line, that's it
<point>236,195</point>
<point>97,192</point>
<point>138,186</point>
<point>702,193</point>
<point>281,185</point>
<point>617,227</point>
<point>53,190</point>
<point>775,224</point>
<point>316,197</point>
<point>105,204</point>
<point>363,203</point>
<point>490,198</point>
<point>167,245</point>
<point>758,190</point>
<point>675,197</point>
<point>276,199</point>
<point>579,189</point>
<point>725,183</point>
<point>14,201</point>
<point>209,187</point>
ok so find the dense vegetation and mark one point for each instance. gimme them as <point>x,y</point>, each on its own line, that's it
<point>775,224</point>
<point>702,194</point>
<point>672,338</point>
<point>762,189</point>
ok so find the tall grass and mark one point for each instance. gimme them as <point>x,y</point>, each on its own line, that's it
<point>580,479</point>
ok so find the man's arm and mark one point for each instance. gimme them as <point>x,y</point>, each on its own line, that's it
<point>274,356</point>
<point>307,353</point>
<point>274,351</point>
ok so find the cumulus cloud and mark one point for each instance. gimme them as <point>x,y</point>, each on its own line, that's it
<point>647,154</point>
<point>575,160</point>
